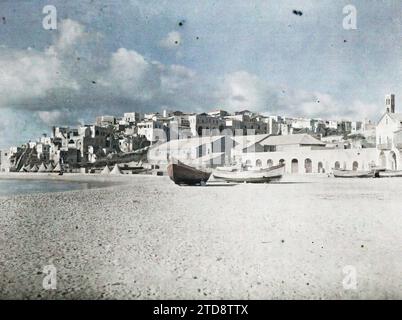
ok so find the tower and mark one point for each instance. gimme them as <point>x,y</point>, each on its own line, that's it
<point>390,103</point>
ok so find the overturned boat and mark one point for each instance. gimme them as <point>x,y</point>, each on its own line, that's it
<point>390,174</point>
<point>273,173</point>
<point>343,173</point>
<point>181,173</point>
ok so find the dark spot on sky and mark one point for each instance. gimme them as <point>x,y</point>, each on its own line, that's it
<point>282,241</point>
<point>4,20</point>
<point>318,101</point>
<point>78,58</point>
<point>94,82</point>
<point>362,246</point>
<point>297,12</point>
<point>181,23</point>
<point>345,41</point>
<point>176,42</point>
<point>197,38</point>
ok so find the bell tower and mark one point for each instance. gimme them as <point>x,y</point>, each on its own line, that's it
<point>390,103</point>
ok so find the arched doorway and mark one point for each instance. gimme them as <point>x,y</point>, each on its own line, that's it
<point>320,167</point>
<point>248,162</point>
<point>270,163</point>
<point>337,165</point>
<point>282,161</point>
<point>392,160</point>
<point>295,166</point>
<point>383,160</point>
<point>258,163</point>
<point>355,165</point>
<point>308,165</point>
<point>344,165</point>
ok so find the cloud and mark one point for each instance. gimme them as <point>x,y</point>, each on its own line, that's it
<point>29,73</point>
<point>171,41</point>
<point>132,75</point>
<point>243,90</point>
<point>52,117</point>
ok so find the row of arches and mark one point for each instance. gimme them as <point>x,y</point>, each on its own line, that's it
<point>392,162</point>
<point>308,165</point>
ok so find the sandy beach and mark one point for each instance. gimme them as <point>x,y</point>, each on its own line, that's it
<point>146,238</point>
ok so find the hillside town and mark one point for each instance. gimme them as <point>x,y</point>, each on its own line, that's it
<point>305,145</point>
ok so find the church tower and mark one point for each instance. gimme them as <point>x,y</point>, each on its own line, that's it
<point>390,103</point>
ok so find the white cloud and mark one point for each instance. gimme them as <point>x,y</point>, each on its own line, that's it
<point>242,90</point>
<point>171,41</point>
<point>29,73</point>
<point>51,117</point>
<point>132,75</point>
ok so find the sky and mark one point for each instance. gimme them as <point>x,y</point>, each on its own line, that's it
<point>111,57</point>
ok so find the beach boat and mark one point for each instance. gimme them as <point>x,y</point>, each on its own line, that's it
<point>105,170</point>
<point>116,170</point>
<point>261,175</point>
<point>181,173</point>
<point>341,173</point>
<point>228,168</point>
<point>390,174</point>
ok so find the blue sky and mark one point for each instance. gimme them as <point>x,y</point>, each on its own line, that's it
<point>110,57</point>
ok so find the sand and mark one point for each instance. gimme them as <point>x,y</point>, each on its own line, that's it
<point>150,239</point>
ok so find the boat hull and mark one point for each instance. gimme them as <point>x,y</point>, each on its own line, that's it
<point>390,174</point>
<point>182,174</point>
<point>252,176</point>
<point>353,174</point>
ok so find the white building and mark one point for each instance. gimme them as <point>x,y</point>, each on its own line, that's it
<point>389,135</point>
<point>205,124</point>
<point>199,151</point>
<point>152,130</point>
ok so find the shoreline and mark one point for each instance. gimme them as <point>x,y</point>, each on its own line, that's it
<point>78,177</point>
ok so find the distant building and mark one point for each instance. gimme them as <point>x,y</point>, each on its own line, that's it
<point>152,130</point>
<point>389,135</point>
<point>218,113</point>
<point>205,151</point>
<point>132,117</point>
<point>203,123</point>
<point>104,121</point>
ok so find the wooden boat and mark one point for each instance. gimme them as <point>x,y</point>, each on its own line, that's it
<point>228,168</point>
<point>390,174</point>
<point>340,173</point>
<point>181,173</point>
<point>251,176</point>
